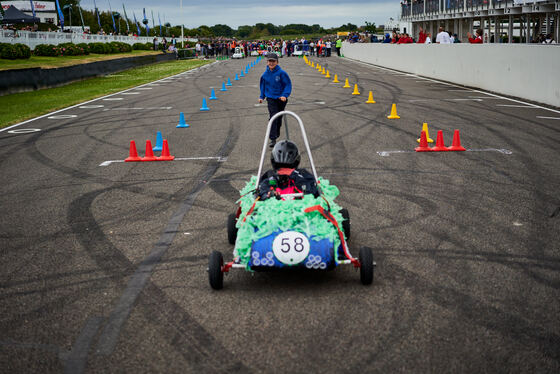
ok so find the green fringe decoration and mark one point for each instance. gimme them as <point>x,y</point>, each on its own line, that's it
<point>272,215</point>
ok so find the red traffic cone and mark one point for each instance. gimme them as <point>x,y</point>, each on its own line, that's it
<point>440,147</point>
<point>132,153</point>
<point>423,144</point>
<point>456,143</point>
<point>149,152</point>
<point>165,156</point>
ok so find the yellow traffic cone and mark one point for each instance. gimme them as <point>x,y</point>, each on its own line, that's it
<point>370,98</point>
<point>393,114</point>
<point>312,64</point>
<point>335,80</point>
<point>328,75</point>
<point>346,84</point>
<point>425,129</point>
<point>324,71</point>
<point>318,66</point>
<point>356,92</point>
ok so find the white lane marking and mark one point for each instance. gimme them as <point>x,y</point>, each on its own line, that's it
<point>154,108</point>
<point>23,131</point>
<point>85,102</point>
<point>548,117</point>
<point>113,99</point>
<point>63,116</point>
<point>463,90</point>
<point>219,159</point>
<point>463,99</point>
<point>503,151</point>
<point>144,88</point>
<point>91,106</point>
<point>416,100</point>
<point>131,93</point>
<point>518,224</point>
<point>486,97</point>
<point>518,106</point>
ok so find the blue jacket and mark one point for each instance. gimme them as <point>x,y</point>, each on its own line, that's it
<point>275,83</point>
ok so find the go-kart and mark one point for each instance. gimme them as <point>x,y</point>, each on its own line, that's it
<point>289,231</point>
<point>238,53</point>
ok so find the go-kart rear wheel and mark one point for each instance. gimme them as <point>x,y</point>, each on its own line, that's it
<point>231,229</point>
<point>366,265</point>
<point>215,274</point>
<point>346,222</point>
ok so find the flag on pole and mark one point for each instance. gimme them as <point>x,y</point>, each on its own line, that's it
<point>146,22</point>
<point>136,22</point>
<point>32,7</point>
<point>125,18</point>
<point>112,17</point>
<point>159,19</point>
<point>97,13</point>
<point>60,15</point>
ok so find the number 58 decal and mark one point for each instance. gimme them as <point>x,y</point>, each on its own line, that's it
<point>290,247</point>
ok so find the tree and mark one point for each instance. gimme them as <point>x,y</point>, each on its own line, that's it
<point>370,27</point>
<point>244,31</point>
<point>222,30</point>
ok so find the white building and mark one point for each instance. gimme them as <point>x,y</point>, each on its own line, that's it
<point>44,10</point>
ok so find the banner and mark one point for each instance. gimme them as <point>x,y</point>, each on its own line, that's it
<point>126,19</point>
<point>112,17</point>
<point>145,22</point>
<point>97,13</point>
<point>136,22</point>
<point>60,15</point>
<point>159,19</point>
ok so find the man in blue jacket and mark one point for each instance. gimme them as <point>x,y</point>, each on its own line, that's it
<point>276,87</point>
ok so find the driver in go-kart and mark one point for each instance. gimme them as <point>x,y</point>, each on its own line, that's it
<point>285,177</point>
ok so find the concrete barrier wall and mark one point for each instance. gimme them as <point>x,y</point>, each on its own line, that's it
<point>530,72</point>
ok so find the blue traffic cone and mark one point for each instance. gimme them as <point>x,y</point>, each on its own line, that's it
<point>223,87</point>
<point>241,75</point>
<point>236,77</point>
<point>228,82</point>
<point>204,105</point>
<point>246,70</point>
<point>212,95</point>
<point>159,143</point>
<point>182,123</point>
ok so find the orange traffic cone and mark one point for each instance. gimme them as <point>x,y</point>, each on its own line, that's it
<point>440,147</point>
<point>335,80</point>
<point>149,152</point>
<point>425,128</point>
<point>346,84</point>
<point>456,146</point>
<point>132,153</point>
<point>370,98</point>
<point>423,144</point>
<point>165,156</point>
<point>394,114</point>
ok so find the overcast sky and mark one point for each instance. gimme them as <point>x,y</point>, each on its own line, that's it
<point>327,13</point>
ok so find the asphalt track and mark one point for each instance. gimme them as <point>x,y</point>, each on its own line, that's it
<point>104,267</point>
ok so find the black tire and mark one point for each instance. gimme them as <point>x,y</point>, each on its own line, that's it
<point>215,274</point>
<point>366,265</point>
<point>231,229</point>
<point>346,222</point>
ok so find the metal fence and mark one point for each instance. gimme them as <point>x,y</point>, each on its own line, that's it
<point>33,39</point>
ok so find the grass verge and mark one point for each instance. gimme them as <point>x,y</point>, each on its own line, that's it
<point>49,62</point>
<point>21,106</point>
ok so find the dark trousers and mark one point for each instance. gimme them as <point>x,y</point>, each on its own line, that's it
<point>275,106</point>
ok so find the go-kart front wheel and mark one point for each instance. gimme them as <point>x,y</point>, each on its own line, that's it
<point>366,265</point>
<point>215,274</point>
<point>231,229</point>
<point>346,222</point>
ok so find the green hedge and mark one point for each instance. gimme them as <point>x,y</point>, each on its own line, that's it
<point>46,50</point>
<point>14,51</point>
